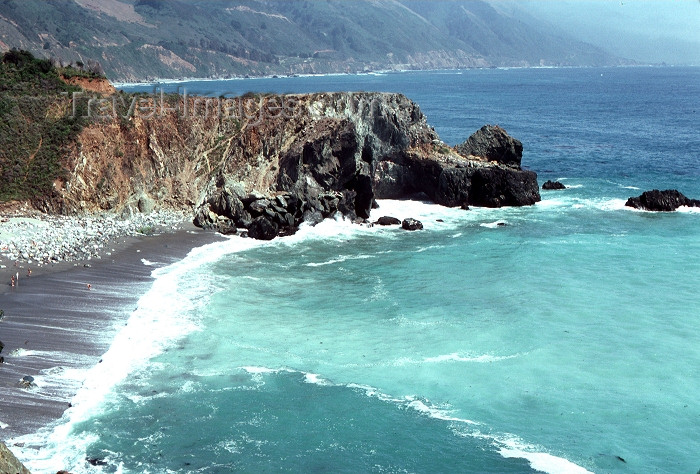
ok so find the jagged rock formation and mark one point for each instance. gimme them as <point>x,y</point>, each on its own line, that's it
<point>661,201</point>
<point>492,143</point>
<point>268,163</point>
<point>342,151</point>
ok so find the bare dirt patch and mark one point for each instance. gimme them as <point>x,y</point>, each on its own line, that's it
<point>114,8</point>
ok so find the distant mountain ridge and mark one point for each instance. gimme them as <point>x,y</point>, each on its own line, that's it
<point>146,39</point>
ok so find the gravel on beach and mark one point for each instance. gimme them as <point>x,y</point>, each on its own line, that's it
<point>41,239</point>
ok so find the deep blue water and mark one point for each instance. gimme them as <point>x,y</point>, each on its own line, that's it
<point>564,341</point>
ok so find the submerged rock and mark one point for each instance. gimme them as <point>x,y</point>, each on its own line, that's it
<point>553,185</point>
<point>411,224</point>
<point>96,461</point>
<point>661,201</point>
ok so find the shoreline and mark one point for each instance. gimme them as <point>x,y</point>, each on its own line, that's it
<point>42,243</point>
<point>125,84</point>
<point>55,328</point>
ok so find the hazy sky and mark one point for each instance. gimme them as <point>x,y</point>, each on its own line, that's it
<point>644,30</point>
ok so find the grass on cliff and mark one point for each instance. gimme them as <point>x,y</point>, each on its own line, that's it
<point>37,125</point>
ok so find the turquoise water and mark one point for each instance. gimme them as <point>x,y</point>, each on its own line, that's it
<point>564,341</point>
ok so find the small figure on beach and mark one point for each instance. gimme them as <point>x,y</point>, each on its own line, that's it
<point>17,278</point>
<point>29,272</point>
<point>12,281</point>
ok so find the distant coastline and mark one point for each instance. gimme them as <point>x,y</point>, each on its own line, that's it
<point>156,81</point>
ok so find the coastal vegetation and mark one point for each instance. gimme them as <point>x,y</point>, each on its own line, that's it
<point>37,124</point>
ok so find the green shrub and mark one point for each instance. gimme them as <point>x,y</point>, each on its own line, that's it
<point>32,139</point>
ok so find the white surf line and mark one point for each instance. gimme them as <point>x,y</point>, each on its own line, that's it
<point>508,445</point>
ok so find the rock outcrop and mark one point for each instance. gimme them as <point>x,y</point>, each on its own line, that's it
<point>340,152</point>
<point>267,163</point>
<point>411,224</point>
<point>388,220</point>
<point>553,185</point>
<point>492,143</point>
<point>661,201</point>
<point>9,463</point>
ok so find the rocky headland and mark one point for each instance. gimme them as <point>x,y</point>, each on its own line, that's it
<point>260,162</point>
<point>267,163</point>
<point>338,153</point>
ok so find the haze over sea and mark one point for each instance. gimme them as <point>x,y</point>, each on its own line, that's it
<point>564,341</point>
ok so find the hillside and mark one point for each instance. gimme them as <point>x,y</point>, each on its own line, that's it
<point>142,39</point>
<point>36,123</point>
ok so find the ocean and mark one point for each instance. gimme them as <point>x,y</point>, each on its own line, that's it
<point>565,340</point>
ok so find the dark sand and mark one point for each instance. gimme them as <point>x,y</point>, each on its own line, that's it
<point>54,323</point>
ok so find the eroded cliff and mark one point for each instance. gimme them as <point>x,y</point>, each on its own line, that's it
<point>267,163</point>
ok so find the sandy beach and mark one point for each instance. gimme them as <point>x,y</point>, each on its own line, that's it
<point>55,326</point>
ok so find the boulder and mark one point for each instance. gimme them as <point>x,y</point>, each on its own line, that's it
<point>259,206</point>
<point>497,187</point>
<point>227,228</point>
<point>411,224</point>
<point>661,201</point>
<point>492,143</point>
<point>312,217</point>
<point>553,185</point>
<point>145,204</point>
<point>387,220</point>
<point>263,228</point>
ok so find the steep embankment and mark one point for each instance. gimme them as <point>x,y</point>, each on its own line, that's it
<point>9,463</point>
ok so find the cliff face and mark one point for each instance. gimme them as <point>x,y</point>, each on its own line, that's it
<point>141,153</point>
<point>267,163</point>
<point>9,463</point>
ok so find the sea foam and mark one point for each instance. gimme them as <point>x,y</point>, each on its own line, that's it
<point>149,330</point>
<point>506,444</point>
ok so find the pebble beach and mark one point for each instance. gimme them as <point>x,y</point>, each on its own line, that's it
<point>76,281</point>
<point>31,241</point>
